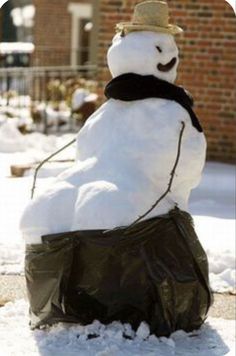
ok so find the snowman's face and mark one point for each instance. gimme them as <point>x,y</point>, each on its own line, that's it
<point>145,53</point>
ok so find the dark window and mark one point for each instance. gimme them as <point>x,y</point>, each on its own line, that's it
<point>8,30</point>
<point>17,21</point>
<point>85,26</point>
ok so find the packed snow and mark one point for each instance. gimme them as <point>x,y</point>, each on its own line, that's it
<point>215,338</point>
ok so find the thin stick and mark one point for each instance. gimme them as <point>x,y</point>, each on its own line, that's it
<point>58,161</point>
<point>170,181</point>
<point>45,161</point>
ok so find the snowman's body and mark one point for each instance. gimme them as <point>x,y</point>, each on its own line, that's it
<point>125,154</point>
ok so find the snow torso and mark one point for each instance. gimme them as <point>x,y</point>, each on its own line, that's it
<point>137,152</point>
<point>123,171</point>
<point>125,154</point>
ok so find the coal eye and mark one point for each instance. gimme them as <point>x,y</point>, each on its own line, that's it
<point>159,49</point>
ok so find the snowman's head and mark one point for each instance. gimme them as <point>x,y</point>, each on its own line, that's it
<point>145,53</point>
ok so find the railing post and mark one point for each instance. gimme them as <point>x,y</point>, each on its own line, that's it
<point>8,85</point>
<point>44,88</point>
<point>33,81</point>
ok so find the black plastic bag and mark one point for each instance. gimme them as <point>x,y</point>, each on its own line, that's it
<point>156,272</point>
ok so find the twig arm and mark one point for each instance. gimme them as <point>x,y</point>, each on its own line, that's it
<point>172,174</point>
<point>45,161</point>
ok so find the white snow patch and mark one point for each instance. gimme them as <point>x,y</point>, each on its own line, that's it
<point>215,338</point>
<point>213,205</point>
<point>143,331</point>
<point>216,194</point>
<point>17,149</point>
<point>15,194</point>
<point>217,237</point>
<point>11,140</point>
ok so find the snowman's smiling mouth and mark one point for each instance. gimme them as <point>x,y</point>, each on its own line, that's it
<point>167,67</point>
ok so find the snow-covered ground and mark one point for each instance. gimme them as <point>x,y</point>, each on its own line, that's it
<point>212,204</point>
<point>215,338</point>
<point>16,148</point>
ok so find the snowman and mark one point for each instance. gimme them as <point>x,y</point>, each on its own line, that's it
<point>129,147</point>
<point>111,239</point>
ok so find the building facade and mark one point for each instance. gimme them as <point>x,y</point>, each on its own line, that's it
<point>63,32</point>
<point>207,62</point>
<point>79,32</point>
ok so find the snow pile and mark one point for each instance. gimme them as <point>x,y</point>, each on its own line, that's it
<point>11,140</point>
<point>218,239</point>
<point>216,193</point>
<point>18,149</point>
<point>213,207</point>
<point>12,259</point>
<point>216,337</point>
<point>15,194</point>
<point>16,110</point>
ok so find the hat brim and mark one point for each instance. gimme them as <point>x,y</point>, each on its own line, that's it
<point>128,27</point>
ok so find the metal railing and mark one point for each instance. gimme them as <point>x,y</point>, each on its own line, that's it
<point>29,87</point>
<point>33,81</point>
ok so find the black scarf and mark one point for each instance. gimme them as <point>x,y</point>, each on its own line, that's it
<point>130,86</point>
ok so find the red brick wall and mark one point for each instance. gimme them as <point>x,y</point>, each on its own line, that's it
<point>0,24</point>
<point>52,32</point>
<point>207,66</point>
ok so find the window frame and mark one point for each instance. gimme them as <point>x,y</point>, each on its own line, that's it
<point>78,11</point>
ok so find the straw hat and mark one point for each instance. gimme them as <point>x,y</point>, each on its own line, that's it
<point>150,16</point>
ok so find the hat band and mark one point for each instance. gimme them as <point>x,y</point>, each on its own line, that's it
<point>142,24</point>
<point>144,20</point>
